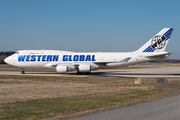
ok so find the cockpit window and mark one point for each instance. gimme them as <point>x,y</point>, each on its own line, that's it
<point>16,52</point>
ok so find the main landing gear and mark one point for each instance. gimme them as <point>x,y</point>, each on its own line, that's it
<point>22,71</point>
<point>83,73</point>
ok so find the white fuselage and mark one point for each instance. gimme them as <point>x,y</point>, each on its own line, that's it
<point>84,62</point>
<point>48,58</point>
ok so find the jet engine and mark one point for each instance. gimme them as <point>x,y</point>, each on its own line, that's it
<point>84,68</point>
<point>61,69</point>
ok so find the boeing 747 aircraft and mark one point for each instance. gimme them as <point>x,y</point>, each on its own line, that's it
<point>84,62</point>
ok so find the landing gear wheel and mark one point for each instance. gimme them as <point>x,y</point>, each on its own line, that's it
<point>22,71</point>
<point>83,73</point>
<point>79,73</point>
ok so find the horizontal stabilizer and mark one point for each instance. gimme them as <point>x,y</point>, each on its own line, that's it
<point>164,55</point>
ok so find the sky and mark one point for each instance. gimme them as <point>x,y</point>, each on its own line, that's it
<point>87,25</point>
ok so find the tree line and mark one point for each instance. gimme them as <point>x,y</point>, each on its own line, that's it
<point>7,53</point>
<point>3,54</point>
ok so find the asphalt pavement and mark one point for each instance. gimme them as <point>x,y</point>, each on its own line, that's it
<point>162,109</point>
<point>140,72</point>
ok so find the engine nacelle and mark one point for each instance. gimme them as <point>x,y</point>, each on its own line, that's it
<point>84,68</point>
<point>61,69</point>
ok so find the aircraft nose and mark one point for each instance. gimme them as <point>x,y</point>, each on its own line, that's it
<point>8,60</point>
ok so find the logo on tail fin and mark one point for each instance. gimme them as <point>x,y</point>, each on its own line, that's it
<point>158,42</point>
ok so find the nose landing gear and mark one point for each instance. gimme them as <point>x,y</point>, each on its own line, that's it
<point>22,71</point>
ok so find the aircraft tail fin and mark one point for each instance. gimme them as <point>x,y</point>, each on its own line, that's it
<point>158,43</point>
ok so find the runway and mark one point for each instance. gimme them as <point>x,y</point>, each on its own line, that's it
<point>140,72</point>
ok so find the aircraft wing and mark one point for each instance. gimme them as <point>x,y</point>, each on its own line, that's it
<point>94,64</point>
<point>103,63</point>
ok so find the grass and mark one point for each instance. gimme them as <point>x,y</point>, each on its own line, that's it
<point>174,80</point>
<point>50,107</point>
<point>67,96</point>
